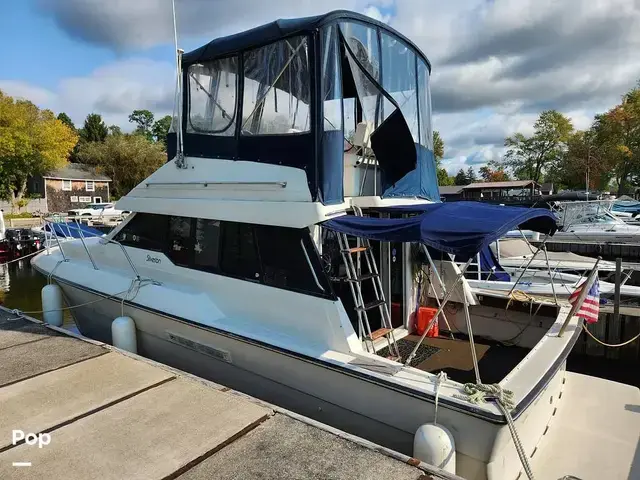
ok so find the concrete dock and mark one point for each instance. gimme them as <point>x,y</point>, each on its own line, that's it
<point>71,408</point>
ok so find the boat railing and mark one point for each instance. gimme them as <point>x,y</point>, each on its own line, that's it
<point>82,239</point>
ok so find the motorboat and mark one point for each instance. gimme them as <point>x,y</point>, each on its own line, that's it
<point>273,253</point>
<point>593,221</point>
<point>518,253</point>
<point>506,267</point>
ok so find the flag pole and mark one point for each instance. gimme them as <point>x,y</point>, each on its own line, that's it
<point>583,294</point>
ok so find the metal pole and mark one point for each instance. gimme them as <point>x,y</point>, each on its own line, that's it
<point>616,298</point>
<point>86,249</point>
<point>474,357</point>
<point>583,294</point>
<point>444,302</point>
<point>525,240</point>
<point>528,264</point>
<point>433,267</point>
<point>553,287</point>
<point>446,321</point>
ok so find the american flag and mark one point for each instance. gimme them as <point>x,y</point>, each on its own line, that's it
<point>591,305</point>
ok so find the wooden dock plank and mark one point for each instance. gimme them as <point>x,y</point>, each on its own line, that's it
<point>149,436</point>
<point>29,359</point>
<point>21,331</point>
<point>284,448</point>
<point>43,402</point>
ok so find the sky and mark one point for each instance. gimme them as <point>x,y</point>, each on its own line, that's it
<point>496,64</point>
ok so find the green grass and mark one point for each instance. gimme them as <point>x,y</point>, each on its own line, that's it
<point>9,216</point>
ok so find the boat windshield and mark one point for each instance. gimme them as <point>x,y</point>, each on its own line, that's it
<point>576,213</point>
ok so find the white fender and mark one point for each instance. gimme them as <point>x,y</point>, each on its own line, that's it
<point>52,305</point>
<point>123,334</point>
<point>434,444</point>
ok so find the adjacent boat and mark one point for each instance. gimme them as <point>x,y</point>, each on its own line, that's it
<point>273,254</point>
<point>593,221</point>
<point>513,264</point>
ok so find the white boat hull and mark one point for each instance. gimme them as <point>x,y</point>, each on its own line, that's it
<point>538,282</point>
<point>595,236</point>
<point>377,412</point>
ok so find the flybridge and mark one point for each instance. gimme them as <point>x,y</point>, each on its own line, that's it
<point>311,93</point>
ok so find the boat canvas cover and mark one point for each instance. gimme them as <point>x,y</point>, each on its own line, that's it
<point>460,228</point>
<point>628,206</point>
<point>314,63</point>
<point>72,230</point>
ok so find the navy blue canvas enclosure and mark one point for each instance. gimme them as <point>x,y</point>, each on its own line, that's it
<point>291,93</point>
<point>460,228</point>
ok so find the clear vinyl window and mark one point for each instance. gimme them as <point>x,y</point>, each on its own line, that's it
<point>277,90</point>
<point>213,89</point>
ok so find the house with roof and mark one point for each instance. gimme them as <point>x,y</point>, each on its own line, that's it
<point>511,190</point>
<point>72,186</point>
<point>450,193</point>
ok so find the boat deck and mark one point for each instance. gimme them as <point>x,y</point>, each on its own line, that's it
<point>454,358</point>
<point>114,415</point>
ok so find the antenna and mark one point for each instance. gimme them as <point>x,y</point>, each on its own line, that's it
<point>180,161</point>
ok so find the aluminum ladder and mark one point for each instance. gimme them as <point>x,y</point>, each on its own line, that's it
<point>355,277</point>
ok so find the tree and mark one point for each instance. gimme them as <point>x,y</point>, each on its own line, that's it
<point>160,129</point>
<point>94,129</point>
<point>438,147</point>
<point>127,159</point>
<point>529,157</point>
<point>461,178</point>
<point>32,142</point>
<point>617,134</point>
<point>583,158</point>
<point>497,175</point>
<point>485,173</point>
<point>64,118</point>
<point>114,130</point>
<point>443,178</point>
<point>471,175</point>
<point>144,122</point>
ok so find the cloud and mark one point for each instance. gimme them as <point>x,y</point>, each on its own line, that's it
<point>496,64</point>
<point>25,91</point>
<point>113,91</point>
<point>126,24</point>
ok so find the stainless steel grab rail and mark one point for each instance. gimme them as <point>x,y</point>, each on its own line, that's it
<point>217,183</point>
<point>86,248</point>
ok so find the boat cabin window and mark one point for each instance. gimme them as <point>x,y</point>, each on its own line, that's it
<point>179,240</point>
<point>276,256</point>
<point>206,249</point>
<point>213,88</point>
<point>277,88</point>
<point>144,231</point>
<point>239,251</point>
<point>286,255</point>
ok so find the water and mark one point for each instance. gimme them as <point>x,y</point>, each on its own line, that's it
<point>22,285</point>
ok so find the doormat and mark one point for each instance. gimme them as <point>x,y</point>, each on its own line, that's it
<point>405,347</point>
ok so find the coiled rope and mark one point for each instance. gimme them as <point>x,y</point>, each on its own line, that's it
<point>478,393</point>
